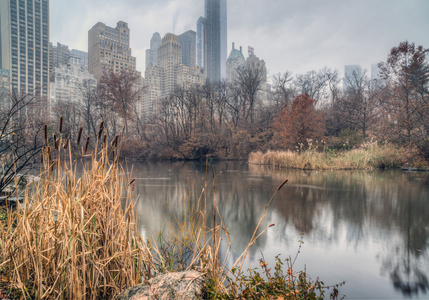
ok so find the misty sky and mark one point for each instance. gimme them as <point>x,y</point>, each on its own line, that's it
<point>295,35</point>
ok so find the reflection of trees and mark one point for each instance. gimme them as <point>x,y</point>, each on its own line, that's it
<point>324,205</point>
<point>390,202</point>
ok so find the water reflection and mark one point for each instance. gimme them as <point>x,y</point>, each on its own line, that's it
<point>373,225</point>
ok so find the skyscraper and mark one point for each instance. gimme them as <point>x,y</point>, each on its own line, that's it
<point>58,55</point>
<point>351,71</point>
<point>216,43</point>
<point>109,49</point>
<point>201,38</point>
<point>152,53</point>
<point>24,44</point>
<point>82,57</point>
<point>187,41</point>
<point>169,56</point>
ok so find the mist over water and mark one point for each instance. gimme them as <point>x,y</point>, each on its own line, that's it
<point>368,228</point>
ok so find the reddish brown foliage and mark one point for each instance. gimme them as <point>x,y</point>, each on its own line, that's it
<point>300,123</point>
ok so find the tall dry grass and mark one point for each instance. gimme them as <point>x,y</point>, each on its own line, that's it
<point>70,238</point>
<point>368,157</point>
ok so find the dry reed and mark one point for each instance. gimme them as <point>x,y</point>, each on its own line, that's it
<point>71,239</point>
<point>370,156</point>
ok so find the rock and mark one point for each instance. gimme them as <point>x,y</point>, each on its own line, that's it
<point>179,285</point>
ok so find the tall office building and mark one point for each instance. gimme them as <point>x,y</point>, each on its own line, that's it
<point>24,45</point>
<point>4,89</point>
<point>58,55</point>
<point>152,53</point>
<point>188,41</point>
<point>169,56</point>
<point>350,71</point>
<point>216,43</point>
<point>82,57</point>
<point>109,49</point>
<point>201,38</point>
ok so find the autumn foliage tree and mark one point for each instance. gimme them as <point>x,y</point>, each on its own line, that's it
<point>300,124</point>
<point>405,75</point>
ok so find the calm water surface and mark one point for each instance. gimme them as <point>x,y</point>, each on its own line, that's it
<point>368,228</point>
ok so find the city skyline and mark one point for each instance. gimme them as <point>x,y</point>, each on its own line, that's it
<point>288,35</point>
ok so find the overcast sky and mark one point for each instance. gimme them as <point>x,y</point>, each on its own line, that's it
<point>295,35</point>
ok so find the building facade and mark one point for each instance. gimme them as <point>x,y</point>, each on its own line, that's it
<point>24,46</point>
<point>70,82</point>
<point>169,56</point>
<point>188,42</point>
<point>82,57</point>
<point>349,71</point>
<point>160,81</point>
<point>235,60</point>
<point>109,50</point>
<point>4,89</point>
<point>152,53</point>
<point>216,39</point>
<point>58,55</point>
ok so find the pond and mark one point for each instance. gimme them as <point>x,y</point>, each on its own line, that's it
<point>370,229</point>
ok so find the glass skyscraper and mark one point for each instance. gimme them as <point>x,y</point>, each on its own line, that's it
<point>216,39</point>
<point>24,46</point>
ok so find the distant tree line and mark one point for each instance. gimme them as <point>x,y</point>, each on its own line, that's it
<point>230,119</point>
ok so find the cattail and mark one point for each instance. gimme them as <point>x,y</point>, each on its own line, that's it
<point>49,153</point>
<point>132,181</point>
<point>86,144</point>
<point>282,184</point>
<point>66,144</point>
<point>115,141</point>
<point>104,140</point>
<point>55,141</point>
<point>271,225</point>
<point>61,124</point>
<point>100,131</point>
<point>79,135</point>
<point>46,135</point>
<point>41,157</point>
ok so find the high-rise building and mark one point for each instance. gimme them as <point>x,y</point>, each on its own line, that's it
<point>152,53</point>
<point>58,55</point>
<point>69,82</point>
<point>109,49</point>
<point>201,38</point>
<point>349,72</point>
<point>188,42</point>
<point>169,56</point>
<point>24,45</point>
<point>4,89</point>
<point>82,58</point>
<point>235,60</point>
<point>216,42</point>
<point>160,81</point>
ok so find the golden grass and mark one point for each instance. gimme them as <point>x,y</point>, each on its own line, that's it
<point>368,157</point>
<point>71,239</point>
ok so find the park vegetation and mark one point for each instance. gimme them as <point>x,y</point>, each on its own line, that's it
<point>231,119</point>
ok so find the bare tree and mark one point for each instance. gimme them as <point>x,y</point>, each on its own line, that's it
<point>20,141</point>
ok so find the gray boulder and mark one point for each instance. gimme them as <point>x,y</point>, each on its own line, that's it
<point>179,285</point>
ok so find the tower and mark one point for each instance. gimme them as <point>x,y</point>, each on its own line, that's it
<point>188,42</point>
<point>201,38</point>
<point>24,46</point>
<point>109,49</point>
<point>169,56</point>
<point>216,42</point>
<point>152,53</point>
